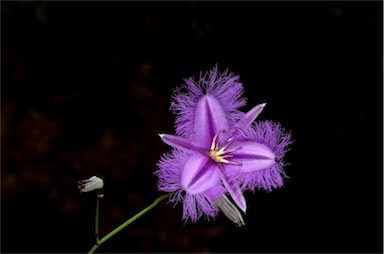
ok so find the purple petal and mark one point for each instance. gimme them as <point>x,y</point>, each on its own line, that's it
<point>215,193</point>
<point>234,190</point>
<point>170,168</point>
<point>199,174</point>
<point>224,87</point>
<point>197,205</point>
<point>272,135</point>
<point>209,119</point>
<point>177,142</point>
<point>251,156</point>
<point>251,115</point>
<point>266,179</point>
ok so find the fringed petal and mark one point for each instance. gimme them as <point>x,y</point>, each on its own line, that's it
<point>170,169</point>
<point>266,179</point>
<point>199,174</point>
<point>197,205</point>
<point>209,120</point>
<point>250,156</point>
<point>223,87</point>
<point>273,136</point>
<point>194,205</point>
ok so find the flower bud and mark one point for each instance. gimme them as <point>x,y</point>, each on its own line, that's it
<point>93,183</point>
<point>230,210</point>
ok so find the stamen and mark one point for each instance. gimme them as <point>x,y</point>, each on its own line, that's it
<point>214,144</point>
<point>235,149</point>
<point>219,154</point>
<point>228,143</point>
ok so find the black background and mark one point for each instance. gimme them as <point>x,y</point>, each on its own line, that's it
<point>86,88</point>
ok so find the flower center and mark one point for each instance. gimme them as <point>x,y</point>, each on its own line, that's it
<point>219,154</point>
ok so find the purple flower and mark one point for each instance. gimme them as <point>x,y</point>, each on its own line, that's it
<point>219,150</point>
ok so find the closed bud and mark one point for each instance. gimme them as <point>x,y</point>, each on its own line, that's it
<point>93,183</point>
<point>230,210</point>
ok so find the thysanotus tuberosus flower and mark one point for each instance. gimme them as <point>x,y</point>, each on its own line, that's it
<point>219,150</point>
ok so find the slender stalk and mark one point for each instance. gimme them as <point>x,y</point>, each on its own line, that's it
<point>99,195</point>
<point>129,221</point>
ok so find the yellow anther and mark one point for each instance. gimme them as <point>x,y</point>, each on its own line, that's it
<point>219,154</point>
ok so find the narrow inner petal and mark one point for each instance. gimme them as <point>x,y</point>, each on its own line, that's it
<point>252,114</point>
<point>234,190</point>
<point>199,174</point>
<point>209,119</point>
<point>251,156</point>
<point>177,142</point>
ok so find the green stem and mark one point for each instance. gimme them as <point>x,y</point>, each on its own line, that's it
<point>129,221</point>
<point>97,218</point>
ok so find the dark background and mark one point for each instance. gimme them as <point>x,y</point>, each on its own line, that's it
<point>86,88</point>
